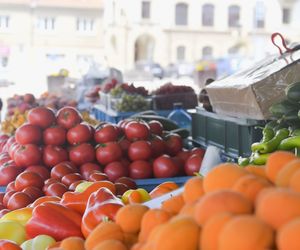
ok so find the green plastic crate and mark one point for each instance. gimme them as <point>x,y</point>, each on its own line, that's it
<point>233,136</point>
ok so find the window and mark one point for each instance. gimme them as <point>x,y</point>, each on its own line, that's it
<point>180,53</point>
<point>286,15</point>
<point>46,23</point>
<point>181,14</point>
<point>207,52</point>
<point>233,16</point>
<point>208,15</point>
<point>4,22</point>
<point>85,25</point>
<point>259,15</point>
<point>145,9</point>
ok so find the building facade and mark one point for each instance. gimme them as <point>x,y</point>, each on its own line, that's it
<point>172,31</point>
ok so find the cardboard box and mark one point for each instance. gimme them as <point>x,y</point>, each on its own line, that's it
<point>250,93</point>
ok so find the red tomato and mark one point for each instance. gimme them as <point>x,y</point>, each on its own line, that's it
<point>115,170</point>
<point>108,153</point>
<point>28,179</point>
<point>140,170</point>
<point>121,188</point>
<point>10,187</point>
<point>28,155</point>
<point>68,117</point>
<point>3,212</point>
<point>55,136</point>
<point>8,173</point>
<point>1,196</point>
<point>53,155</point>
<point>81,154</point>
<point>71,165</point>
<point>18,200</point>
<point>106,133</point>
<point>40,170</point>
<point>97,176</point>
<point>180,163</point>
<point>60,170</point>
<point>140,150</point>
<point>7,197</point>
<point>48,182</point>
<point>28,134</point>
<point>33,192</point>
<point>13,148</point>
<point>193,164</point>
<point>8,244</point>
<point>124,144</point>
<point>56,189</point>
<point>136,130</point>
<point>88,168</point>
<point>73,186</point>
<point>29,98</point>
<point>184,154</point>
<point>125,162</point>
<point>158,146</point>
<point>164,167</point>
<point>79,134</point>
<point>70,178</point>
<point>4,157</point>
<point>156,127</point>
<point>127,181</point>
<point>174,144</point>
<point>8,143</point>
<point>198,151</point>
<point>42,117</point>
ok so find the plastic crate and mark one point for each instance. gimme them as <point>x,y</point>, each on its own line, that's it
<point>188,100</point>
<point>103,100</point>
<point>233,136</point>
<point>150,184</point>
<point>2,188</point>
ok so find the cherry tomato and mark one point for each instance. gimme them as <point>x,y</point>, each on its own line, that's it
<point>82,153</point>
<point>18,200</point>
<point>174,144</point>
<point>55,136</point>
<point>68,117</point>
<point>108,153</point>
<point>156,127</point>
<point>60,170</point>
<point>140,170</point>
<point>80,133</point>
<point>56,189</point>
<point>70,178</point>
<point>135,130</point>
<point>193,164</point>
<point>115,170</point>
<point>106,133</point>
<point>87,168</point>
<point>28,134</point>
<point>165,167</point>
<point>53,155</point>
<point>158,146</point>
<point>28,155</point>
<point>140,150</point>
<point>42,117</point>
<point>40,170</point>
<point>28,179</point>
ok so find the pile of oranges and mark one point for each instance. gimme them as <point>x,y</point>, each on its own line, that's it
<point>232,208</point>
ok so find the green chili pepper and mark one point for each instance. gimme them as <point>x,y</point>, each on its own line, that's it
<point>268,134</point>
<point>271,124</point>
<point>290,143</point>
<point>272,145</point>
<point>296,132</point>
<point>243,161</point>
<point>259,159</point>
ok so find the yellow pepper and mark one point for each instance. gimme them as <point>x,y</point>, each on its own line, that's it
<point>12,230</point>
<point>21,215</point>
<point>83,186</point>
<point>139,195</point>
<point>40,242</point>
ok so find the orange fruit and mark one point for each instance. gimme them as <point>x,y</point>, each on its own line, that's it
<point>288,236</point>
<point>193,189</point>
<point>285,174</point>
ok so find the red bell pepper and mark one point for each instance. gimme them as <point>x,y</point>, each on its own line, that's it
<point>78,201</point>
<point>55,220</point>
<point>102,205</point>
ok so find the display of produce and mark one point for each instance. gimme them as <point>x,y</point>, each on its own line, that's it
<point>282,133</point>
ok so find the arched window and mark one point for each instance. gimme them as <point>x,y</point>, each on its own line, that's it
<point>233,16</point>
<point>180,53</point>
<point>208,15</point>
<point>259,14</point>
<point>207,52</point>
<point>181,14</point>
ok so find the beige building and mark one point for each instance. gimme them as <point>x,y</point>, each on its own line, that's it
<point>38,37</point>
<point>171,31</point>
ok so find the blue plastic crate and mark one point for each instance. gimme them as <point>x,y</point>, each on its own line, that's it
<point>150,184</point>
<point>2,188</point>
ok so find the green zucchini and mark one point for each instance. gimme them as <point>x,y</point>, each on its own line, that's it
<point>293,92</point>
